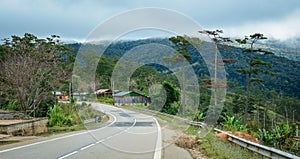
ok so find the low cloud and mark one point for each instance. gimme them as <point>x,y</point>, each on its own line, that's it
<point>74,19</point>
<point>284,28</point>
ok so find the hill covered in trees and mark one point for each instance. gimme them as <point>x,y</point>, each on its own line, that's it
<point>285,82</point>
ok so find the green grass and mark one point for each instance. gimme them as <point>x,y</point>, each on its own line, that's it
<point>85,112</point>
<point>107,100</point>
<point>193,130</point>
<point>213,147</point>
<point>64,129</point>
<point>8,142</point>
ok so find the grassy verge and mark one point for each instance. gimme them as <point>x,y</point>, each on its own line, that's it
<point>64,129</point>
<point>83,112</point>
<point>213,147</point>
<point>8,142</point>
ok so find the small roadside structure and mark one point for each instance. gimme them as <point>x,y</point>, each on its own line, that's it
<point>81,96</point>
<point>104,93</point>
<point>60,96</point>
<point>130,98</point>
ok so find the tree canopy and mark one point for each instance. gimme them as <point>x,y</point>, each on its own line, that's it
<point>31,69</point>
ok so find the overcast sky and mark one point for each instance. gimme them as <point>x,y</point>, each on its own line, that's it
<point>75,19</point>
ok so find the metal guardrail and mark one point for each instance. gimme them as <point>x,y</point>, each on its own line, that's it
<point>260,149</point>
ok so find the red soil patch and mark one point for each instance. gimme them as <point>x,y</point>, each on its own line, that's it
<point>245,136</point>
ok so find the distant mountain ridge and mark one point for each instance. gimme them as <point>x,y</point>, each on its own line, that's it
<point>287,49</point>
<point>285,64</point>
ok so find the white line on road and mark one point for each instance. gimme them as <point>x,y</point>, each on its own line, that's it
<point>158,147</point>
<point>87,146</point>
<point>65,156</point>
<point>100,141</point>
<point>158,144</point>
<point>121,132</point>
<point>59,138</point>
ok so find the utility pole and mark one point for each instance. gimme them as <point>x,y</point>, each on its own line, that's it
<point>70,92</point>
<point>54,76</point>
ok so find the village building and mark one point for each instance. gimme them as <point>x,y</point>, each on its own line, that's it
<point>60,96</point>
<point>104,93</point>
<point>82,96</point>
<point>130,98</point>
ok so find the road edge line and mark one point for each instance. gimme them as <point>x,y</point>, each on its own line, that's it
<point>58,138</point>
<point>157,153</point>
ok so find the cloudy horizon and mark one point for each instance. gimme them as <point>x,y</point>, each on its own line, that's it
<point>74,20</point>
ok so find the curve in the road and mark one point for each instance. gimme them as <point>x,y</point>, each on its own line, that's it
<point>140,139</point>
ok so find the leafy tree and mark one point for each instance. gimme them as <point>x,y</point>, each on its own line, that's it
<point>144,77</point>
<point>255,64</point>
<point>28,65</point>
<point>172,97</point>
<point>104,71</point>
<point>181,54</point>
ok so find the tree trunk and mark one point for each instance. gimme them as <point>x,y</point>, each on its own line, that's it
<point>286,115</point>
<point>215,79</point>
<point>182,108</point>
<point>265,111</point>
<point>248,86</point>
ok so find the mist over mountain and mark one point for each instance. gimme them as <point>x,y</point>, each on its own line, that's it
<point>286,61</point>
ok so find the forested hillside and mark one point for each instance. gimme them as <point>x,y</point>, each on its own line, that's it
<point>285,82</point>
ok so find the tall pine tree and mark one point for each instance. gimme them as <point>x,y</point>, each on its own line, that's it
<point>255,64</point>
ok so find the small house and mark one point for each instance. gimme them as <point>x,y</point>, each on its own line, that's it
<point>130,98</point>
<point>81,96</point>
<point>60,96</point>
<point>104,93</point>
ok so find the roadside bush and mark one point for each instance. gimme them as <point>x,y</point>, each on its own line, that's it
<point>86,111</point>
<point>63,115</point>
<point>199,116</point>
<point>107,100</point>
<point>280,137</point>
<point>56,116</point>
<point>232,123</point>
<point>12,105</point>
<point>140,105</point>
<point>171,109</point>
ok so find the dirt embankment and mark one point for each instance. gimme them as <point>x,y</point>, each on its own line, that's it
<point>191,143</point>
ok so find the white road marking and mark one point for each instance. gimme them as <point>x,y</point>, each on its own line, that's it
<point>100,141</point>
<point>67,155</point>
<point>59,138</point>
<point>157,153</point>
<point>72,153</point>
<point>87,146</point>
<point>158,147</point>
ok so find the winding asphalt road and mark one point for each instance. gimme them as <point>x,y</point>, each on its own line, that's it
<point>128,135</point>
